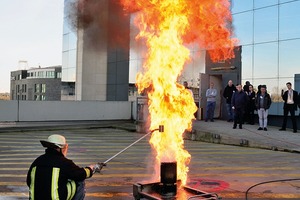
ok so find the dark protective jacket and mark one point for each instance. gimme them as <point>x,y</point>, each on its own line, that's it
<point>295,99</point>
<point>228,92</point>
<point>239,100</point>
<point>52,177</point>
<point>267,101</point>
<point>251,103</point>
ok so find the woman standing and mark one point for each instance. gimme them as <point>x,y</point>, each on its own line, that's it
<point>251,105</point>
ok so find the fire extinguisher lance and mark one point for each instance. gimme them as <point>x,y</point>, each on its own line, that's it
<point>99,166</point>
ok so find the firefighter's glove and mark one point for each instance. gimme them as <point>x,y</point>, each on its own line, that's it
<point>97,167</point>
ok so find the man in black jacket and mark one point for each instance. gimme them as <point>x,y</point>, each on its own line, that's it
<point>227,94</point>
<point>239,102</point>
<point>52,176</point>
<point>290,98</point>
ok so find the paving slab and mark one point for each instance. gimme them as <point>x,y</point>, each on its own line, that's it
<point>222,132</point>
<point>219,131</point>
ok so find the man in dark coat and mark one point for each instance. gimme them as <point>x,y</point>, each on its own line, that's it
<point>290,98</point>
<point>227,94</point>
<point>239,102</point>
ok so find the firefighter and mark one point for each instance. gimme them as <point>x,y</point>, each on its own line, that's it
<point>52,176</point>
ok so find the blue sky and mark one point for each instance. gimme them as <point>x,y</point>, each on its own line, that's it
<point>30,30</point>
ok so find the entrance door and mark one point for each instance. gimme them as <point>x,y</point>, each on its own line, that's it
<point>204,82</point>
<point>217,80</point>
<point>203,85</point>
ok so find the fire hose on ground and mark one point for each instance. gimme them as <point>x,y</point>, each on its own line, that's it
<point>98,167</point>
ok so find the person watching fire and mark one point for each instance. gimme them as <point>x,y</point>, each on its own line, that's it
<point>211,94</point>
<point>239,102</point>
<point>290,98</point>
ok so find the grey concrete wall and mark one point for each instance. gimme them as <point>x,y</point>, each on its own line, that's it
<point>65,110</point>
<point>8,110</point>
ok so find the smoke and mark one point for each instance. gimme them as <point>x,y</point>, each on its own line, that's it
<point>101,20</point>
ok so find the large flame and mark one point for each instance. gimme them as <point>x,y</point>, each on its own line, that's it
<point>167,25</point>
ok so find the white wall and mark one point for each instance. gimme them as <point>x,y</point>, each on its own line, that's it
<point>65,110</point>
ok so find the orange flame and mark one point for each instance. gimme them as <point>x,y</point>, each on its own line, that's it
<point>167,25</point>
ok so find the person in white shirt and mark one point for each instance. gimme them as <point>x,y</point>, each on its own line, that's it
<point>290,98</point>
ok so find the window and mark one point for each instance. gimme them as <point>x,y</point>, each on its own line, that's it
<point>244,32</point>
<point>266,25</point>
<point>266,60</point>
<point>50,74</point>
<point>43,88</point>
<point>17,88</point>
<point>237,6</point>
<point>264,3</point>
<point>23,97</point>
<point>36,97</point>
<point>289,20</point>
<point>37,88</point>
<point>43,97</point>
<point>24,88</point>
<point>58,75</point>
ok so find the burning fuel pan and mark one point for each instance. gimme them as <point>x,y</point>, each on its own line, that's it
<point>154,191</point>
<point>168,187</point>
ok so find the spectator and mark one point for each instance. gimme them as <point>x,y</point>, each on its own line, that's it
<point>263,103</point>
<point>185,84</point>
<point>246,86</point>
<point>258,89</point>
<point>239,101</point>
<point>227,94</point>
<point>250,106</point>
<point>211,94</point>
<point>290,98</point>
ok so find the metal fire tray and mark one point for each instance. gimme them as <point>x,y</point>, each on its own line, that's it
<point>152,191</point>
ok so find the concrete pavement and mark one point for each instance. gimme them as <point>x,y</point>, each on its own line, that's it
<point>219,132</point>
<point>224,169</point>
<point>222,132</point>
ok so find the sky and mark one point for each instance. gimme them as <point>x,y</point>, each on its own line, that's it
<point>31,30</point>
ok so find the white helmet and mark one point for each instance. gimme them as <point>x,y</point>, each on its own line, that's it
<point>54,141</point>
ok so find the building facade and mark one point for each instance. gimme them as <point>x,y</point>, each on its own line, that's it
<point>93,58</point>
<point>269,33</point>
<point>269,39</point>
<point>69,57</point>
<point>36,84</point>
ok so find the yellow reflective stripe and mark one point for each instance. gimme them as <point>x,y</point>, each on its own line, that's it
<point>71,186</point>
<point>69,189</point>
<point>32,180</point>
<point>73,189</point>
<point>88,172</point>
<point>54,184</point>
